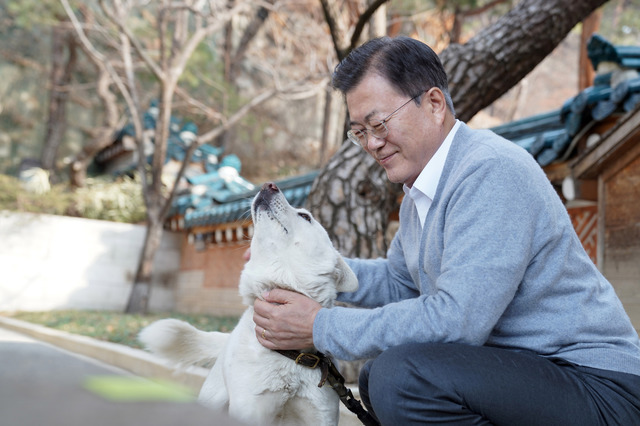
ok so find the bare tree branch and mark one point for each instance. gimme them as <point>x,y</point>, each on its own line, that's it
<point>211,113</point>
<point>363,20</point>
<point>233,119</point>
<point>481,9</point>
<point>118,21</point>
<point>338,35</point>
<point>97,56</point>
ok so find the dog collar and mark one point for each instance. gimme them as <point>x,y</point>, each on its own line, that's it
<point>310,360</point>
<point>336,381</point>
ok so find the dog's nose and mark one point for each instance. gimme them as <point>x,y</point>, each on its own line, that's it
<point>270,186</point>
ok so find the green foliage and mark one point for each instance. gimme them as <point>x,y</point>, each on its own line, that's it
<point>117,201</point>
<point>12,197</point>
<point>117,327</point>
<point>32,13</point>
<point>201,66</point>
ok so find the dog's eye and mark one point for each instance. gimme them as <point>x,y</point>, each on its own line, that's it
<point>305,217</point>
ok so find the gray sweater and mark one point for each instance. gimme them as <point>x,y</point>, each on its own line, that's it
<point>497,263</point>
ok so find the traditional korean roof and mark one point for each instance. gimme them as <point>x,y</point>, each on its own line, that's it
<point>220,185</point>
<point>552,136</point>
<point>601,50</point>
<point>211,178</point>
<point>212,192</point>
<point>238,207</point>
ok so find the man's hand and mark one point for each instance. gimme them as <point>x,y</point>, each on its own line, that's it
<point>284,320</point>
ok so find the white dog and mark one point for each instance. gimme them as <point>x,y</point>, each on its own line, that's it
<point>289,250</point>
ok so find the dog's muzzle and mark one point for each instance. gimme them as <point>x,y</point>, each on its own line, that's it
<point>266,194</point>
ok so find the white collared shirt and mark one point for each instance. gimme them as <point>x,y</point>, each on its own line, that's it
<point>425,186</point>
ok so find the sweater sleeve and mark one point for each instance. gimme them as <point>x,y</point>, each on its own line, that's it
<point>381,281</point>
<point>388,280</point>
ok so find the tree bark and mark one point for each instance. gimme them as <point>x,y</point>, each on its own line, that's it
<point>352,197</point>
<point>140,295</point>
<point>492,62</point>
<point>62,66</point>
<point>156,204</point>
<point>104,135</point>
<point>326,127</point>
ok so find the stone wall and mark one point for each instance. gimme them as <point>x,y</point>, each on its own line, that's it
<point>56,262</point>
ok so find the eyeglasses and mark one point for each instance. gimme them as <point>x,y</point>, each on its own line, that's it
<point>378,128</point>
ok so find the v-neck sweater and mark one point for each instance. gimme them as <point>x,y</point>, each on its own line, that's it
<point>496,263</point>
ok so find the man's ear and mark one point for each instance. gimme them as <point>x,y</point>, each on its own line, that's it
<point>346,280</point>
<point>437,102</point>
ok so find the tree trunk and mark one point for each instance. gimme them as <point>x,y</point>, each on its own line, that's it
<point>354,206</point>
<point>156,203</point>
<point>105,135</point>
<point>141,291</point>
<point>62,66</point>
<point>352,196</point>
<point>492,62</point>
<point>80,164</point>
<point>326,127</point>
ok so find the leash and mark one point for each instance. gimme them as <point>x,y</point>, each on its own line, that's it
<point>329,373</point>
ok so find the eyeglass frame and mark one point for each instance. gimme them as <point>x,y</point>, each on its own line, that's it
<point>354,139</point>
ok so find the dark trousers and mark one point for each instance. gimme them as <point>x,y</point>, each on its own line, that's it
<point>468,385</point>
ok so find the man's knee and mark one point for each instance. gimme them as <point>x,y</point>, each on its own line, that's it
<point>395,369</point>
<point>386,383</point>
<point>407,382</point>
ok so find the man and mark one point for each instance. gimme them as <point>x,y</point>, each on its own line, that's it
<point>487,310</point>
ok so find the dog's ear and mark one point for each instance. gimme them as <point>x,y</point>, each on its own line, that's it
<point>346,280</point>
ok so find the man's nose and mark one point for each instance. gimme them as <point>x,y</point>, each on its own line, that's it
<point>375,142</point>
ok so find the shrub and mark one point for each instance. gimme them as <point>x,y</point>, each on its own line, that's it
<point>119,201</point>
<point>59,200</point>
<point>103,198</point>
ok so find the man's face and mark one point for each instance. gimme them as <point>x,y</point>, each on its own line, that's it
<point>415,132</point>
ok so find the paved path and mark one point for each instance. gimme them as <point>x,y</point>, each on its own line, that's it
<point>43,385</point>
<point>43,373</point>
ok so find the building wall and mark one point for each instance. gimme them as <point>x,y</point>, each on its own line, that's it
<point>585,222</point>
<point>621,246</point>
<point>208,279</point>
<point>57,262</point>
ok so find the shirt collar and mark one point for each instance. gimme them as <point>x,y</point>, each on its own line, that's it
<point>427,181</point>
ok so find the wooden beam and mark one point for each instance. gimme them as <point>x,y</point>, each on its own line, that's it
<point>220,227</point>
<point>621,161</point>
<point>556,172</point>
<point>612,146</point>
<point>602,202</point>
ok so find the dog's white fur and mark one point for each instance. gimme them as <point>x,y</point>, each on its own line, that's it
<point>289,250</point>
